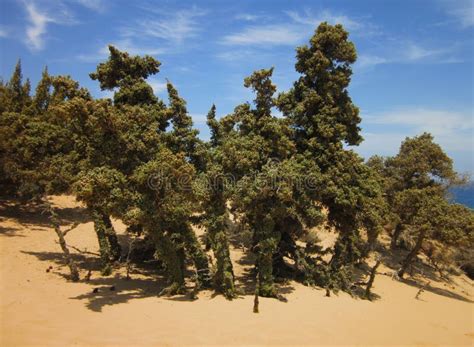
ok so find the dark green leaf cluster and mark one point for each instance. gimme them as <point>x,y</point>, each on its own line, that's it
<point>416,183</point>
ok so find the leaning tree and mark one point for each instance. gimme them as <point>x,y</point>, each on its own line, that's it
<point>420,164</point>
<point>158,164</point>
<point>416,184</point>
<point>325,121</point>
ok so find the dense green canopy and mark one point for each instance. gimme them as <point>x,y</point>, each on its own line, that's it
<point>270,181</point>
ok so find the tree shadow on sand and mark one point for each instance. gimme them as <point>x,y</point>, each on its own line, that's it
<point>124,291</point>
<point>9,231</point>
<point>31,214</point>
<point>83,261</point>
<point>436,290</point>
<point>393,259</point>
<point>145,281</point>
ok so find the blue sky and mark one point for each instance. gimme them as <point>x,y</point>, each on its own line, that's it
<point>414,71</point>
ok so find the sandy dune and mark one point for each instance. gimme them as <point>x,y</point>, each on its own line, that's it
<point>43,309</point>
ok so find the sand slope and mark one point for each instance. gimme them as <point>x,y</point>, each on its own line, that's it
<point>43,309</point>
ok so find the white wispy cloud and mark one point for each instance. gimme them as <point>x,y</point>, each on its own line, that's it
<point>39,16</point>
<point>125,45</point>
<point>172,26</point>
<point>416,52</point>
<point>157,85</point>
<point>308,18</point>
<point>461,10</point>
<point>3,32</point>
<point>247,17</point>
<point>403,52</point>
<point>288,33</point>
<point>94,5</point>
<point>453,130</point>
<point>37,25</point>
<point>367,60</point>
<point>236,55</point>
<point>272,34</point>
<point>134,48</point>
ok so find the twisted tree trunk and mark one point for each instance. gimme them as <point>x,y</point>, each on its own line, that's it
<point>396,234</point>
<point>224,276</point>
<point>104,246</point>
<point>62,242</point>
<point>371,240</point>
<point>216,213</point>
<point>115,249</point>
<point>109,247</point>
<point>266,249</point>
<point>173,257</point>
<point>199,257</point>
<point>413,253</point>
<point>370,282</point>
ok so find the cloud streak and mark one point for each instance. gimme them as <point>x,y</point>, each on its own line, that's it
<point>94,5</point>
<point>405,53</point>
<point>173,26</point>
<point>3,32</point>
<point>289,33</point>
<point>461,10</point>
<point>36,28</point>
<point>158,86</point>
<point>453,130</point>
<point>247,17</point>
<point>41,14</point>
<point>125,45</point>
<point>312,20</point>
<point>272,34</point>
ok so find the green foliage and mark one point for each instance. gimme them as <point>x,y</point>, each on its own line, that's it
<point>128,74</point>
<point>16,93</point>
<point>212,190</point>
<point>323,117</point>
<point>319,105</point>
<point>416,183</point>
<point>43,92</point>
<point>163,205</point>
<point>183,138</point>
<point>102,188</point>
<point>141,160</point>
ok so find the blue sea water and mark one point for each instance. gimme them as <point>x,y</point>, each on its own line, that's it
<point>464,195</point>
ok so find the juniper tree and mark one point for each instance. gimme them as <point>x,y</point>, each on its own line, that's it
<point>324,120</point>
<point>34,147</point>
<point>127,74</point>
<point>42,96</point>
<point>147,146</point>
<point>87,164</point>
<point>24,138</point>
<point>183,138</point>
<point>416,183</point>
<point>270,196</point>
<point>213,191</point>
<point>14,97</point>
<point>159,194</point>
<point>247,148</point>
<point>164,210</point>
<point>427,216</point>
<point>50,145</point>
<point>420,164</point>
<point>17,93</point>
